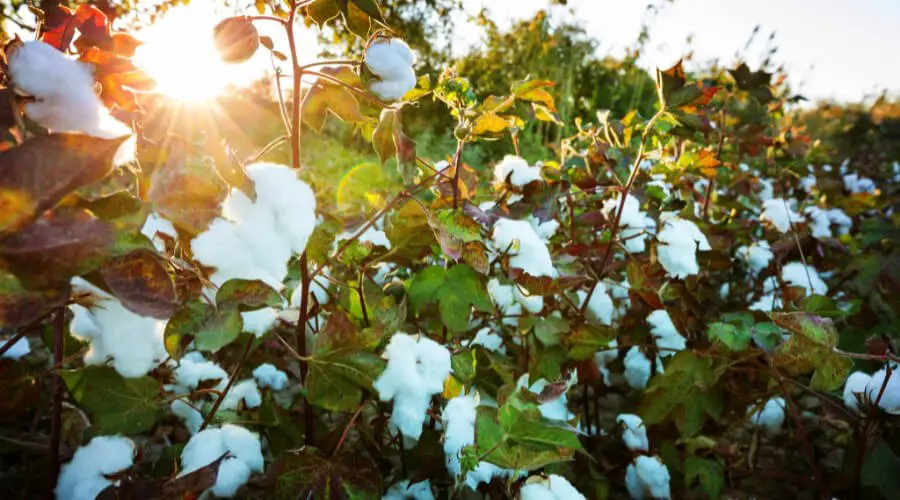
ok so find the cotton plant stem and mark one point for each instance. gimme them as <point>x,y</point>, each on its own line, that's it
<point>59,345</point>
<point>456,171</point>
<point>234,375</point>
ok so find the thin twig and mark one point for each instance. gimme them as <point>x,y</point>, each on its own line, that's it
<point>347,428</point>
<point>59,346</point>
<point>234,375</point>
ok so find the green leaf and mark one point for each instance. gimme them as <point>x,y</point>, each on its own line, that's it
<point>547,329</point>
<point>326,96</point>
<point>736,338</point>
<point>710,473</point>
<point>187,191</point>
<point>370,7</point>
<point>457,224</point>
<point>880,468</point>
<point>249,294</point>
<point>521,427</point>
<point>218,330</point>
<point>322,11</point>
<point>586,340</point>
<point>116,404</point>
<point>462,290</point>
<point>493,447</point>
<point>686,391</point>
<point>425,287</point>
<point>308,474</point>
<point>816,328</point>
<point>336,379</point>
<point>455,310</point>
<point>832,370</point>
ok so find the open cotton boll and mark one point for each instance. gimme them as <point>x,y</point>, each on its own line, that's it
<point>191,417</point>
<point>770,416</point>
<point>780,214</point>
<point>84,477</point>
<point>553,487</point>
<point>647,477</point>
<point>890,398</point>
<point>634,432</point>
<point>193,369</point>
<point>488,339</point>
<point>856,385</point>
<point>808,183</point>
<point>600,307</point>
<point>156,225</point>
<point>819,222</point>
<point>458,419</point>
<point>267,375</point>
<point>545,229</point>
<point>416,369</point>
<point>243,456</point>
<point>633,225</point>
<point>245,391</point>
<point>840,219</point>
<point>668,340</point>
<point>65,99</point>
<point>371,235</point>
<point>517,170</point>
<point>757,256</point>
<point>532,303</point>
<point>134,343</point>
<point>637,368</point>
<point>405,491</point>
<point>391,60</point>
<point>679,241</point>
<point>556,409</point>
<point>798,274</point>
<point>527,250</point>
<point>856,184</point>
<point>768,300</point>
<point>260,321</point>
<point>604,358</point>
<point>292,201</point>
<point>21,348</point>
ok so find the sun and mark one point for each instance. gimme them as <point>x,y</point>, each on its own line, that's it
<point>178,52</point>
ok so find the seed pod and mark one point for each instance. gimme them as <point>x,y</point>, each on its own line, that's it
<point>236,39</point>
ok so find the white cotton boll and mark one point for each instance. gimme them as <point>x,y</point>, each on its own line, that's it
<point>392,61</point>
<point>245,390</point>
<point>405,491</point>
<point>634,432</point>
<point>600,307</point>
<point>237,262</point>
<point>458,419</point>
<point>526,249</point>
<point>255,225</point>
<point>553,487</point>
<point>371,235</point>
<point>798,274</point>
<point>236,444</point>
<point>819,222</point>
<point>532,303</point>
<point>416,370</point>
<point>21,348</point>
<point>504,296</point>
<point>633,225</point>
<point>83,478</point>
<point>291,199</point>
<point>808,183</point>
<point>193,369</point>
<point>780,214</point>
<point>770,416</point>
<point>855,385</point>
<point>679,241</point>
<point>856,184</point>
<point>191,417</point>
<point>517,170</point>
<point>545,229</point>
<point>64,91</point>
<point>840,219</point>
<point>647,477</point>
<point>668,340</point>
<point>890,398</point>
<point>637,368</point>
<point>156,224</point>
<point>767,190</point>
<point>604,358</point>
<point>134,342</point>
<point>757,256</point>
<point>267,375</point>
<point>768,300</point>
<point>556,409</point>
<point>260,321</point>
<point>318,287</point>
<point>488,339</point>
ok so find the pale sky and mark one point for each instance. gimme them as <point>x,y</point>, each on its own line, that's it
<point>840,49</point>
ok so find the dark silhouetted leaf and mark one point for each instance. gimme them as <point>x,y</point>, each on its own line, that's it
<point>20,390</point>
<point>19,306</point>
<point>117,405</point>
<point>249,294</point>
<point>140,280</point>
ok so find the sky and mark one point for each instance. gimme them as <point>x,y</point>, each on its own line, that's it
<point>832,49</point>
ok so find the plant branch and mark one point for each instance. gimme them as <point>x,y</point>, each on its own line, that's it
<point>234,375</point>
<point>59,346</point>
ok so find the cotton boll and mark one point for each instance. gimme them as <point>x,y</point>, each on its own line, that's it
<point>238,262</point>
<point>679,241</point>
<point>191,417</point>
<point>233,474</point>
<point>194,369</point>
<point>767,190</point>
<point>291,199</point>
<point>798,274</point>
<point>21,348</point>
<point>65,100</point>
<point>553,487</point>
<point>245,390</point>
<point>890,398</point>
<point>668,340</point>
<point>84,477</point>
<point>757,256</point>
<point>545,229</point>
<point>856,385</point>
<point>526,249</point>
<point>604,358</point>
<point>634,432</point>
<point>600,307</point>
<point>856,184</point>
<point>260,321</point>
<point>405,491</point>
<point>391,61</point>
<point>556,409</point>
<point>532,303</point>
<point>517,171</point>
<point>133,342</point>
<point>416,370</point>
<point>236,444</point>
<point>155,225</point>
<point>808,183</point>
<point>819,222</point>
<point>840,219</point>
<point>458,419</point>
<point>371,235</point>
<point>770,416</point>
<point>632,226</point>
<point>780,214</point>
<point>647,477</point>
<point>488,339</point>
<point>268,376</point>
<point>637,368</point>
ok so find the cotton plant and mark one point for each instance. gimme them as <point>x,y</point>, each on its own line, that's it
<point>269,377</point>
<point>862,387</point>
<point>487,338</point>
<point>416,369</point>
<point>780,214</point>
<point>634,432</point>
<point>756,256</point>
<point>94,466</point>
<point>517,171</point>
<point>240,448</point>
<point>768,416</point>
<point>511,301</point>
<point>634,224</point>
<point>679,240</point>
<point>604,358</point>
<point>638,368</point>
<point>557,409</point>
<point>600,306</point>
<point>551,487</point>
<point>648,478</point>
<point>391,61</point>
<point>131,343</point>
<point>668,340</point>
<point>544,229</point>
<point>526,250</point>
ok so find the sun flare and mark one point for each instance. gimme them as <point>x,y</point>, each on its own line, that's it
<point>179,53</point>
